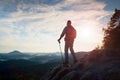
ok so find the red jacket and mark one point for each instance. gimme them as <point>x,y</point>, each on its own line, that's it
<point>69,32</point>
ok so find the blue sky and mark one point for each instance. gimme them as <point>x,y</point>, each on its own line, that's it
<point>35,25</point>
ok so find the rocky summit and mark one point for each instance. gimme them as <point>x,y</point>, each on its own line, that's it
<point>97,65</point>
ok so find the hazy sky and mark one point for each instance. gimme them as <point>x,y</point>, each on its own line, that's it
<point>35,25</point>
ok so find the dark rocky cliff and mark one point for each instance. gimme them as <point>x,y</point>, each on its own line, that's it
<point>97,65</point>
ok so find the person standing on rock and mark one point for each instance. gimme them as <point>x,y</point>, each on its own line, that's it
<point>70,34</point>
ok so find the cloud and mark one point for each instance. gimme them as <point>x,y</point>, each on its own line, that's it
<point>35,26</point>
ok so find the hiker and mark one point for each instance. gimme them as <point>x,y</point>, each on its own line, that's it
<point>70,34</point>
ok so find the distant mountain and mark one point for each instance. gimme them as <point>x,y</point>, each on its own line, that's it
<point>18,54</point>
<point>15,53</point>
<point>43,58</point>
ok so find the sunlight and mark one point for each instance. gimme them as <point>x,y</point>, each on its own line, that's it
<point>88,36</point>
<point>87,33</point>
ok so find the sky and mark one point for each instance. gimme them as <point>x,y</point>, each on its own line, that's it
<point>35,25</point>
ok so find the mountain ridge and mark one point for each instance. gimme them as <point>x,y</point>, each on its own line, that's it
<point>15,52</point>
<point>21,55</point>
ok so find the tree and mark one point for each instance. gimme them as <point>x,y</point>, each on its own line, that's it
<point>112,32</point>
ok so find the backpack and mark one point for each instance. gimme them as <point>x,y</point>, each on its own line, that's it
<point>70,33</point>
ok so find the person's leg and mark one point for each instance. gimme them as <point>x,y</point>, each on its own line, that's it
<point>72,51</point>
<point>66,51</point>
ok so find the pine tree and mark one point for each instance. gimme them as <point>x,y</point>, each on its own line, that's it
<point>112,32</point>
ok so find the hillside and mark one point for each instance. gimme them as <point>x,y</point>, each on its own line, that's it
<point>17,65</point>
<point>23,69</point>
<point>97,65</point>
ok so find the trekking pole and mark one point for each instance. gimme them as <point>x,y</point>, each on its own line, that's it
<point>61,52</point>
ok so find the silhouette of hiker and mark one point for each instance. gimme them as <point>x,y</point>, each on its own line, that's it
<point>70,34</point>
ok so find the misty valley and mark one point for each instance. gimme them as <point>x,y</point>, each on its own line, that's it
<point>16,65</point>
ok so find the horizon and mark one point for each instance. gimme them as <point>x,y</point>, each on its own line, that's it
<point>37,52</point>
<point>35,25</point>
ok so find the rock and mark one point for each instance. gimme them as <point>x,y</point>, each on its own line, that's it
<point>61,74</point>
<point>78,66</point>
<point>105,67</point>
<point>73,75</point>
<point>57,73</point>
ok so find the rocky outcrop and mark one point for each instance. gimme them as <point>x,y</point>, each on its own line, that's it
<point>98,65</point>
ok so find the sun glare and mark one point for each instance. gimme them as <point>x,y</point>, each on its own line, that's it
<point>88,37</point>
<point>86,33</point>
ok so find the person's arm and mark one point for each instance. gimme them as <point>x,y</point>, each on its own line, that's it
<point>63,33</point>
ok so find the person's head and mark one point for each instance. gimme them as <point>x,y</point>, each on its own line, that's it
<point>68,23</point>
